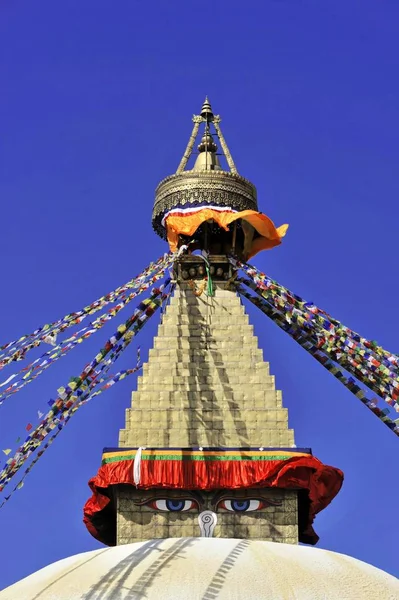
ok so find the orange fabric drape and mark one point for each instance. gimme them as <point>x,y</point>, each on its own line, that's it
<point>187,224</point>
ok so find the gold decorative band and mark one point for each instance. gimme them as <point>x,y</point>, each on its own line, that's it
<point>192,188</point>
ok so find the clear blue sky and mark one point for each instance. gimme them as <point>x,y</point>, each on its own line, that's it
<point>95,108</point>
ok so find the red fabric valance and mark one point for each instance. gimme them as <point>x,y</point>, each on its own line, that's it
<point>211,470</point>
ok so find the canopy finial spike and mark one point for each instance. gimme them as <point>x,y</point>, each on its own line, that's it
<point>206,110</point>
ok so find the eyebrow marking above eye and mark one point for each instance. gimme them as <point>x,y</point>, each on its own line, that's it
<point>219,496</point>
<point>187,495</point>
<point>235,495</point>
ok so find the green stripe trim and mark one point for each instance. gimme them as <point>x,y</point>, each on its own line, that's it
<point>201,458</point>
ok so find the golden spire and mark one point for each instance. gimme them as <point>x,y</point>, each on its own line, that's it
<point>207,117</point>
<point>207,181</point>
<point>207,160</point>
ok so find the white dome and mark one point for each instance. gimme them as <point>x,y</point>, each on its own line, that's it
<point>207,569</point>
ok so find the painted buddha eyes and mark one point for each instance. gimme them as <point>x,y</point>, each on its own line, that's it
<point>231,505</point>
<point>244,505</point>
<point>173,505</point>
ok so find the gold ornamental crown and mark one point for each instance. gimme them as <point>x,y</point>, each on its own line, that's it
<point>207,184</point>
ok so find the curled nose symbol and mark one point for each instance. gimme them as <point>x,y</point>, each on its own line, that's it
<point>207,521</point>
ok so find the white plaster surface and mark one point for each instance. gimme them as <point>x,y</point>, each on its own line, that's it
<point>207,569</point>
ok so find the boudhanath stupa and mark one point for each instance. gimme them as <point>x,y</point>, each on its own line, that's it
<point>207,496</point>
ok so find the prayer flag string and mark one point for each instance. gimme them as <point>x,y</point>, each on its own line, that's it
<point>34,369</point>
<point>309,312</point>
<point>354,356</point>
<point>75,393</point>
<point>300,337</point>
<point>368,358</point>
<point>329,342</point>
<point>110,381</point>
<point>17,349</point>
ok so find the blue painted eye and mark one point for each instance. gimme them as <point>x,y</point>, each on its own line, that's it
<point>176,505</point>
<point>241,505</point>
<point>173,504</point>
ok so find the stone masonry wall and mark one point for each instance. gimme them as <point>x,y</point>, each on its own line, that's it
<point>277,522</point>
